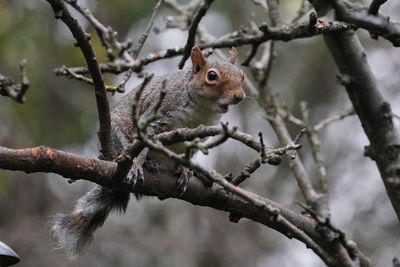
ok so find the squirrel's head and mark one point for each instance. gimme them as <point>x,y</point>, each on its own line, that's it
<point>218,81</point>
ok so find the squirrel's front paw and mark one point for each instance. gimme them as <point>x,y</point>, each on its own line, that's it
<point>135,173</point>
<point>184,174</point>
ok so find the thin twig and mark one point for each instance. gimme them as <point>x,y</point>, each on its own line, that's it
<point>24,82</point>
<point>270,106</point>
<point>252,53</point>
<point>121,85</point>
<point>143,37</point>
<point>324,123</point>
<point>193,29</point>
<point>197,145</point>
<point>261,69</point>
<point>16,91</point>
<point>70,74</point>
<point>106,34</point>
<point>273,11</point>
<point>303,9</point>
<point>251,167</point>
<point>316,148</point>
<point>292,119</point>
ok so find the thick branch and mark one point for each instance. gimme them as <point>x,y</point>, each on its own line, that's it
<point>371,23</point>
<point>372,109</point>
<point>163,185</point>
<point>45,159</point>
<point>374,6</point>
<point>83,41</point>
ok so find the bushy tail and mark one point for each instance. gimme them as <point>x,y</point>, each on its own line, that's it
<point>74,231</point>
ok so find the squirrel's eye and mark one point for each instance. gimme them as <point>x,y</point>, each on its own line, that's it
<point>212,76</point>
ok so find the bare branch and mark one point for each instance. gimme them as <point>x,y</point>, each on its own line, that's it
<point>163,185</point>
<point>372,109</point>
<point>371,23</point>
<point>251,167</point>
<point>144,36</point>
<point>273,10</point>
<point>270,106</point>
<point>316,148</point>
<point>45,159</point>
<point>284,33</point>
<point>193,29</point>
<point>16,91</point>
<point>252,53</point>
<point>303,9</point>
<point>83,41</point>
<point>72,75</point>
<point>106,34</point>
<point>324,123</point>
<point>258,203</point>
<point>374,6</point>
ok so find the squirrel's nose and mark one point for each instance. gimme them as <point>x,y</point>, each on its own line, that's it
<point>238,97</point>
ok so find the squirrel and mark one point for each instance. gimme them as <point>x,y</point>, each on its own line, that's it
<point>194,95</point>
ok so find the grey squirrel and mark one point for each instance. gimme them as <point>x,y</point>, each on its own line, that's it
<point>195,95</point>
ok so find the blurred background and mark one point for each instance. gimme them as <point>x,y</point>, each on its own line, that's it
<point>61,113</point>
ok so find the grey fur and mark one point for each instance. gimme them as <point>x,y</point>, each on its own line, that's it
<point>74,231</point>
<point>183,106</point>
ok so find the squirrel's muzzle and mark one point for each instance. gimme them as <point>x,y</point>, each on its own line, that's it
<point>239,96</point>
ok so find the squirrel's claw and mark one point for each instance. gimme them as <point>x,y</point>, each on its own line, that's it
<point>135,174</point>
<point>184,175</point>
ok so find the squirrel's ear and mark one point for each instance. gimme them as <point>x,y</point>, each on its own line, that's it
<point>232,55</point>
<point>198,59</point>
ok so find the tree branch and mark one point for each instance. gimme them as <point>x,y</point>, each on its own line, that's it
<point>273,11</point>
<point>193,29</point>
<point>371,23</point>
<point>144,36</point>
<point>374,6</point>
<point>283,33</point>
<point>16,91</point>
<point>372,109</point>
<point>163,185</point>
<point>316,148</point>
<point>83,41</point>
<point>324,123</point>
<point>106,34</point>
